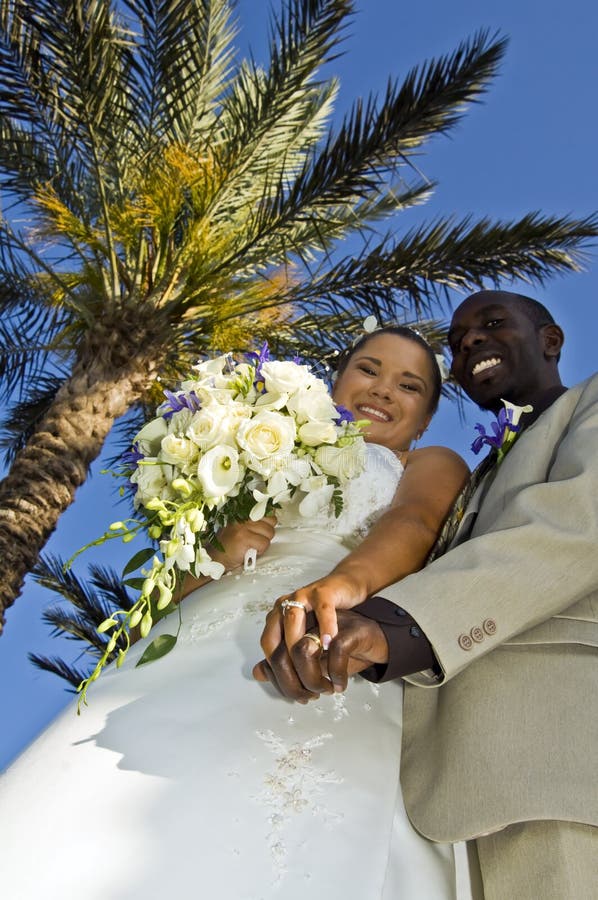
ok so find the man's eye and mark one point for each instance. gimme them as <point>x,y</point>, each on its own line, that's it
<point>493,323</point>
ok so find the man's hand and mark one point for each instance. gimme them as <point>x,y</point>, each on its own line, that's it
<point>307,671</point>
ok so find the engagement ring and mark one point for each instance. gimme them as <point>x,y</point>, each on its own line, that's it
<point>286,604</point>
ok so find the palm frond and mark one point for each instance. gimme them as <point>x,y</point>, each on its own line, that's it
<point>21,418</point>
<point>57,666</point>
<point>180,63</point>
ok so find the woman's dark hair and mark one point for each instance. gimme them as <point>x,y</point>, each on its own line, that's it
<point>405,332</point>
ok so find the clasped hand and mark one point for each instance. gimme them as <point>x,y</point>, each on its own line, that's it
<point>305,670</point>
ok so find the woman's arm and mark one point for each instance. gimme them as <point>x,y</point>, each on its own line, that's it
<point>396,545</point>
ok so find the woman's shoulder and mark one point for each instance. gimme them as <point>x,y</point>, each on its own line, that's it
<point>437,457</point>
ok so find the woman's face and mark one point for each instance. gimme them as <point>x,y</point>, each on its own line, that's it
<point>388,380</point>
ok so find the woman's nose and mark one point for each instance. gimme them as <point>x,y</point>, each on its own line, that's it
<point>381,387</point>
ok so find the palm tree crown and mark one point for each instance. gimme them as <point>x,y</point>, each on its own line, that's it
<point>160,198</point>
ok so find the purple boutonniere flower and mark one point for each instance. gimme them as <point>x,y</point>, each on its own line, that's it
<point>504,430</point>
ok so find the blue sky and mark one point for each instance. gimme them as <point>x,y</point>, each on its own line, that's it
<point>530,146</point>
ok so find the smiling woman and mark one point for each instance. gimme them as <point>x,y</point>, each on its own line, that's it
<point>256,790</point>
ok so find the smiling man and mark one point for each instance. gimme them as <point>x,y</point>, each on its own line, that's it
<point>499,739</point>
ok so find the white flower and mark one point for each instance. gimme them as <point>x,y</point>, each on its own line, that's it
<point>150,436</point>
<point>270,400</point>
<point>152,480</point>
<point>312,403</point>
<point>342,462</point>
<point>177,552</point>
<point>205,565</point>
<point>317,500</point>
<point>516,411</point>
<point>178,451</point>
<point>213,425</point>
<point>283,377</point>
<point>218,471</point>
<point>268,434</point>
<point>312,434</point>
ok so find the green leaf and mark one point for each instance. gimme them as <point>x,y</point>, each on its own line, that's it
<point>159,647</point>
<point>138,560</point>
<point>135,583</point>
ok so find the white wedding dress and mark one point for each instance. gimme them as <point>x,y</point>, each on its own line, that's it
<point>187,779</point>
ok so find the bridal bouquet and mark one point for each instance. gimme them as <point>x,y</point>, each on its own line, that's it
<point>237,441</point>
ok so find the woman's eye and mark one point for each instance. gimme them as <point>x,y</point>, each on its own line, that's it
<point>367,369</point>
<point>410,387</point>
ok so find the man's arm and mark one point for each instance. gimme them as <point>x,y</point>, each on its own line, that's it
<point>534,560</point>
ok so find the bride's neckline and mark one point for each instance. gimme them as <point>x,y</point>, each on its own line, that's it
<point>396,462</point>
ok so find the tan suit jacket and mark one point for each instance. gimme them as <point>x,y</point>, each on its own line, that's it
<point>511,733</point>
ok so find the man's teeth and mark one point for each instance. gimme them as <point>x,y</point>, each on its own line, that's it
<point>485,364</point>
<point>369,410</point>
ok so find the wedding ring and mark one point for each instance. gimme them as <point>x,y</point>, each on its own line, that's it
<point>287,604</point>
<point>313,637</point>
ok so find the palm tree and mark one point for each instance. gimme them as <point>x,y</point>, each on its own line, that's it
<point>155,191</point>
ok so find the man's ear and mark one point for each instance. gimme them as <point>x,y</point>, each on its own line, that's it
<point>553,340</point>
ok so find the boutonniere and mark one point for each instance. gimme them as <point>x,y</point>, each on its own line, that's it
<point>505,430</point>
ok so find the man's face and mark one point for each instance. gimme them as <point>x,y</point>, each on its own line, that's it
<point>498,352</point>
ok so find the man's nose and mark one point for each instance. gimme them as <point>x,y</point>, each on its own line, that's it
<point>471,338</point>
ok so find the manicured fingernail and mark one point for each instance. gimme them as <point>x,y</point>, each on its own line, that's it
<point>326,638</point>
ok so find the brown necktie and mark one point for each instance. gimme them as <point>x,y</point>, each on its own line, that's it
<point>453,520</point>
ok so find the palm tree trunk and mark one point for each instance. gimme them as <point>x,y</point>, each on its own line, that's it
<point>42,482</point>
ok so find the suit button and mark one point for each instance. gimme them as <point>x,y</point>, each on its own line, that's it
<point>465,642</point>
<point>477,634</point>
<point>399,611</point>
<point>489,626</point>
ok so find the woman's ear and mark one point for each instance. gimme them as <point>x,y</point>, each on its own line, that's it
<point>553,339</point>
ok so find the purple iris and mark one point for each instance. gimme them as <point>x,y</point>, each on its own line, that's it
<point>504,423</point>
<point>177,402</point>
<point>258,359</point>
<point>130,458</point>
<point>345,415</point>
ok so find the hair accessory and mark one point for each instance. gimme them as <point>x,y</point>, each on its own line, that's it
<point>445,372</point>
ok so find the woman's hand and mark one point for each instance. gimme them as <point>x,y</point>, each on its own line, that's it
<point>239,537</point>
<point>339,590</point>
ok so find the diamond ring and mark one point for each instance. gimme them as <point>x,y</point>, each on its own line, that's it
<point>287,604</point>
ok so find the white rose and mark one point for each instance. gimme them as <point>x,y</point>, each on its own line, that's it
<point>179,422</point>
<point>211,426</point>
<point>342,462</point>
<point>218,471</point>
<point>268,434</point>
<point>312,434</point>
<point>312,403</point>
<point>152,480</point>
<point>283,377</point>
<point>178,451</point>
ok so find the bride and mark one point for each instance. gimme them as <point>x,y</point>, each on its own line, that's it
<point>187,778</point>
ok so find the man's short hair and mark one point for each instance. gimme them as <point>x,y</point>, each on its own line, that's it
<point>535,311</point>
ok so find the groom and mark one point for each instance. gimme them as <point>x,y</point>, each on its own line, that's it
<point>500,735</point>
